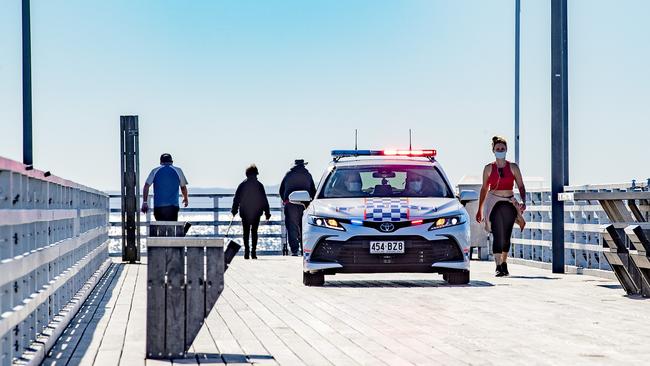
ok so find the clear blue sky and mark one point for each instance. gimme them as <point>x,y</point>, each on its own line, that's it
<point>221,84</point>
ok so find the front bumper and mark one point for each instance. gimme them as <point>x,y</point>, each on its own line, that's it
<point>353,256</point>
<point>333,251</point>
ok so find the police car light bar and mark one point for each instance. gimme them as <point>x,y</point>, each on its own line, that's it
<point>337,154</point>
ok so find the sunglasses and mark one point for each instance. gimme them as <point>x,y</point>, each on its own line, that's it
<point>500,171</point>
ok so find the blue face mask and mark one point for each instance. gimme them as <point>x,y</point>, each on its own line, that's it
<point>500,154</point>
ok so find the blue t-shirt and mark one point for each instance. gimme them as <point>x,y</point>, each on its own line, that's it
<point>166,180</point>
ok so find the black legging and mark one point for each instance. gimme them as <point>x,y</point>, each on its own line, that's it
<point>502,219</point>
<point>250,231</point>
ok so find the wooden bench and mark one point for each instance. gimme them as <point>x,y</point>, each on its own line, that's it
<point>184,281</point>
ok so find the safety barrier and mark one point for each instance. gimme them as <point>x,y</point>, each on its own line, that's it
<point>215,206</point>
<point>53,246</point>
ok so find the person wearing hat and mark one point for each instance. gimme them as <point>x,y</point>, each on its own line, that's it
<point>297,178</point>
<point>251,202</point>
<point>166,180</point>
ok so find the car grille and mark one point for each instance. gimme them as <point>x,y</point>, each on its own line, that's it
<point>419,253</point>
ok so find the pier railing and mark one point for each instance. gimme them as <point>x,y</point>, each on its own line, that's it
<point>583,225</point>
<point>53,247</point>
<point>209,214</point>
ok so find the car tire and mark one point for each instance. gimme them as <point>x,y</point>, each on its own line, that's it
<point>313,279</point>
<point>457,278</point>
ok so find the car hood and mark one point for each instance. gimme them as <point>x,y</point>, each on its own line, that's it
<point>373,208</point>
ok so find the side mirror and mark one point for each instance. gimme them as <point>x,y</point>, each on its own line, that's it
<point>467,196</point>
<point>299,197</point>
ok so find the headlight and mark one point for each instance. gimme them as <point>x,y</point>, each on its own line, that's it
<point>325,222</point>
<point>443,222</point>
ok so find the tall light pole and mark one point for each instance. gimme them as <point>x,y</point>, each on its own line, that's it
<point>27,86</point>
<point>517,42</point>
<point>559,126</point>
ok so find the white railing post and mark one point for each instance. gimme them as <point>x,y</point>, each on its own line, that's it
<point>215,215</point>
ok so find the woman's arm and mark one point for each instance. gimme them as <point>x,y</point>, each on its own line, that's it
<point>520,184</point>
<point>484,191</point>
<point>236,200</point>
<point>265,203</point>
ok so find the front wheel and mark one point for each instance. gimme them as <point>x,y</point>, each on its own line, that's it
<point>313,279</point>
<point>457,278</point>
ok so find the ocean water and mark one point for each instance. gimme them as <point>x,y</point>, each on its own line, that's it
<point>264,244</point>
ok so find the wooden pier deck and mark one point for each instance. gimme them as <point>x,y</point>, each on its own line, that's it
<point>266,316</point>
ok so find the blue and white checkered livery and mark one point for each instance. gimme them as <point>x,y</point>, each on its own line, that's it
<point>386,209</point>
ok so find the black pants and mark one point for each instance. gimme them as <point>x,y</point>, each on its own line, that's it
<point>293,222</point>
<point>166,213</point>
<point>502,219</point>
<point>250,226</point>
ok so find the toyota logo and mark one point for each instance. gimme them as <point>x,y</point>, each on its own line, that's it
<point>387,227</point>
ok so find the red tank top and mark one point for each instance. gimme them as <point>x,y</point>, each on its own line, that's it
<point>501,181</point>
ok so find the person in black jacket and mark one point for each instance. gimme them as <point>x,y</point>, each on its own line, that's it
<point>296,179</point>
<point>251,202</point>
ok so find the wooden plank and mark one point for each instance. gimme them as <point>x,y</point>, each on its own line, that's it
<point>175,300</point>
<point>112,342</point>
<point>194,294</point>
<point>182,242</point>
<point>214,277</point>
<point>134,348</point>
<point>156,302</point>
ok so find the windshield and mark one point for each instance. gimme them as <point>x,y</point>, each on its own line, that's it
<point>385,181</point>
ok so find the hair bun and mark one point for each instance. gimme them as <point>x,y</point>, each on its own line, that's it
<point>499,140</point>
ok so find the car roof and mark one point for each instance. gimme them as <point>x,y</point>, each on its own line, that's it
<point>348,162</point>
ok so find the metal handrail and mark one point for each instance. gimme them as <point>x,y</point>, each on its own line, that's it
<point>216,222</point>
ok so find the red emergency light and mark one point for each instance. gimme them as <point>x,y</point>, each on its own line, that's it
<point>428,153</point>
<point>424,153</point>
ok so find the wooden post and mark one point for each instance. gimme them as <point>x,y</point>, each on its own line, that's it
<point>155,307</point>
<point>175,303</point>
<point>194,294</point>
<point>214,277</point>
<point>130,190</point>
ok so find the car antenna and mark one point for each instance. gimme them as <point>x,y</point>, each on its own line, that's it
<point>355,139</point>
<point>410,145</point>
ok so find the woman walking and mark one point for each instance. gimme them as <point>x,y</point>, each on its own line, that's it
<point>251,202</point>
<point>498,207</point>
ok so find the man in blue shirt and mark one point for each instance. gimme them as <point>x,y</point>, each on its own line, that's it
<point>166,180</point>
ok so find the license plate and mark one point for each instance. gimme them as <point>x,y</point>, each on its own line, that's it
<point>386,247</point>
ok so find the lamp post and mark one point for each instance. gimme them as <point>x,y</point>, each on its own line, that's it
<point>559,126</point>
<point>517,41</point>
<point>27,86</point>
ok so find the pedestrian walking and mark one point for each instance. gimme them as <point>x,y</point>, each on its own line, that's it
<point>297,178</point>
<point>166,180</point>
<point>498,208</point>
<point>251,202</point>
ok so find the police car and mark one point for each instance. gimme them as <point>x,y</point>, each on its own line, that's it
<point>379,211</point>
